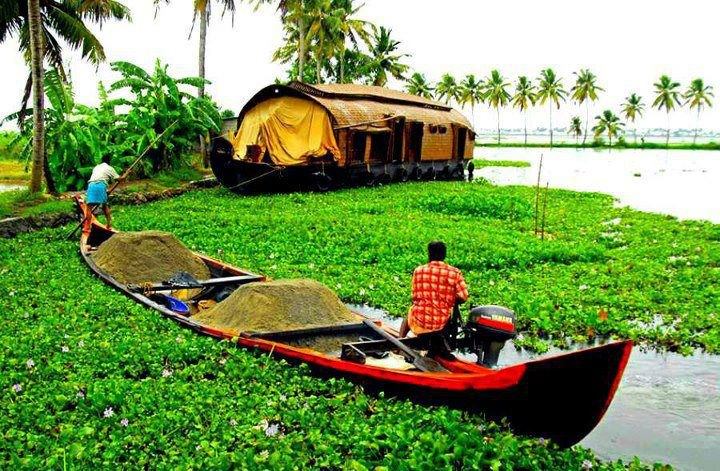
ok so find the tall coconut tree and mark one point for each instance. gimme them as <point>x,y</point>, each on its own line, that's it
<point>585,90</point>
<point>632,109</point>
<point>418,85</point>
<point>42,26</point>
<point>447,89</point>
<point>471,93</point>
<point>698,95</point>
<point>496,94</point>
<point>667,95</point>
<point>201,12</point>
<point>608,123</point>
<point>550,90</point>
<point>384,57</point>
<point>575,128</point>
<point>325,23</point>
<point>524,98</point>
<point>354,30</point>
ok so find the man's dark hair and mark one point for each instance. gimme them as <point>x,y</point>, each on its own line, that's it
<point>436,251</point>
<point>105,159</point>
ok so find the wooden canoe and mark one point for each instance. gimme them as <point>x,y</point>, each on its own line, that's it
<point>561,397</point>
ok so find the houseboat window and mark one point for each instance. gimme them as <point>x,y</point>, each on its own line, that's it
<point>358,147</point>
<point>442,129</point>
<point>433,129</point>
<point>380,146</point>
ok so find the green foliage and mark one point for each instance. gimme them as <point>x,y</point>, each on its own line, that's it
<point>77,136</point>
<point>89,379</point>
<point>480,163</point>
<point>8,151</point>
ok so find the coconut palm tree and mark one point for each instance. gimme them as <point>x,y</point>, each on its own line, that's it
<point>353,29</point>
<point>42,26</point>
<point>576,128</point>
<point>471,93</point>
<point>667,96</point>
<point>632,109</point>
<point>418,85</point>
<point>551,90</point>
<point>447,89</point>
<point>585,90</point>
<point>202,9</point>
<point>608,123</point>
<point>698,95</point>
<point>295,19</point>
<point>524,98</point>
<point>496,94</point>
<point>384,57</point>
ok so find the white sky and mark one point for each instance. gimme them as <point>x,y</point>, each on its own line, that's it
<point>628,44</point>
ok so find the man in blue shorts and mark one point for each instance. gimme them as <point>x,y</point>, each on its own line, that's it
<point>97,191</point>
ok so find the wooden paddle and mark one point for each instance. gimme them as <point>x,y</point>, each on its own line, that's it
<point>421,362</point>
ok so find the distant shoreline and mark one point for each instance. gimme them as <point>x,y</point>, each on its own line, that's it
<point>620,145</point>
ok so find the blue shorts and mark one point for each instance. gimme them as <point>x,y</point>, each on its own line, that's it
<point>97,193</point>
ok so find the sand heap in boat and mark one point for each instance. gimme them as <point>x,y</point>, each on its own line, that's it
<point>276,306</point>
<point>148,256</point>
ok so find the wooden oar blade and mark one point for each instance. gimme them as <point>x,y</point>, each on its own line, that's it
<point>429,365</point>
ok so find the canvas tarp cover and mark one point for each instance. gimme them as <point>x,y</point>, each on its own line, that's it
<point>291,129</point>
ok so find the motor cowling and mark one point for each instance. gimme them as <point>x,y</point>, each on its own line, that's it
<point>489,327</point>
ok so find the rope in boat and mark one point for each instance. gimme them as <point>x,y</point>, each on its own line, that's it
<point>276,169</point>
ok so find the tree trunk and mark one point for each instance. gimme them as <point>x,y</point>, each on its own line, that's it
<point>498,123</point>
<point>201,73</point>
<point>587,118</point>
<point>551,131</point>
<point>697,126</point>
<point>342,66</point>
<point>36,64</point>
<point>472,114</point>
<point>301,49</point>
<point>525,119</point>
<point>49,180</point>
<point>201,49</point>
<point>318,62</point>
<point>667,137</point>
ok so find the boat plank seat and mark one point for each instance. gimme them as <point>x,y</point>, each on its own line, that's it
<point>358,351</point>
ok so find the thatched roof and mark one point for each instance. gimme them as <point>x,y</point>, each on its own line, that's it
<point>353,105</point>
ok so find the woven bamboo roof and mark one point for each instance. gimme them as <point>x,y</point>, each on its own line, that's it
<point>355,91</point>
<point>352,105</point>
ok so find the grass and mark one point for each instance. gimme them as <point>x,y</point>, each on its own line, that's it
<point>616,145</point>
<point>89,379</point>
<point>481,163</point>
<point>22,203</point>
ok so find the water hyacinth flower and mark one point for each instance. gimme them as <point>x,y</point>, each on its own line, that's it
<point>166,373</point>
<point>108,412</point>
<point>223,361</point>
<point>124,422</point>
<point>30,363</point>
<point>233,422</point>
<point>81,344</point>
<point>17,387</point>
<point>65,349</point>
<point>587,464</point>
<point>272,430</point>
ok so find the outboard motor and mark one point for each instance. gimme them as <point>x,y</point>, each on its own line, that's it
<point>488,328</point>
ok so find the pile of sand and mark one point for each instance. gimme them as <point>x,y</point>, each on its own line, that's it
<point>276,306</point>
<point>149,256</point>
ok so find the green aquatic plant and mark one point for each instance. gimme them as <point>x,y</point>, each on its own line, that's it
<point>89,379</point>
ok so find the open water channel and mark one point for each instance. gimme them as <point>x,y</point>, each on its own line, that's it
<point>666,409</point>
<point>681,183</point>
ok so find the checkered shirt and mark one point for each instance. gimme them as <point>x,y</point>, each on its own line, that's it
<point>435,288</point>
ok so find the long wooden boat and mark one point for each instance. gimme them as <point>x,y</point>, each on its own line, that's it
<point>561,397</point>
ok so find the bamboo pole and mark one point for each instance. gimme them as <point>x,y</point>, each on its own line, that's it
<point>537,195</point>
<point>542,232</point>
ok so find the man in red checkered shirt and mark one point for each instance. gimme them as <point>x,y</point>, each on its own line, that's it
<point>436,287</point>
